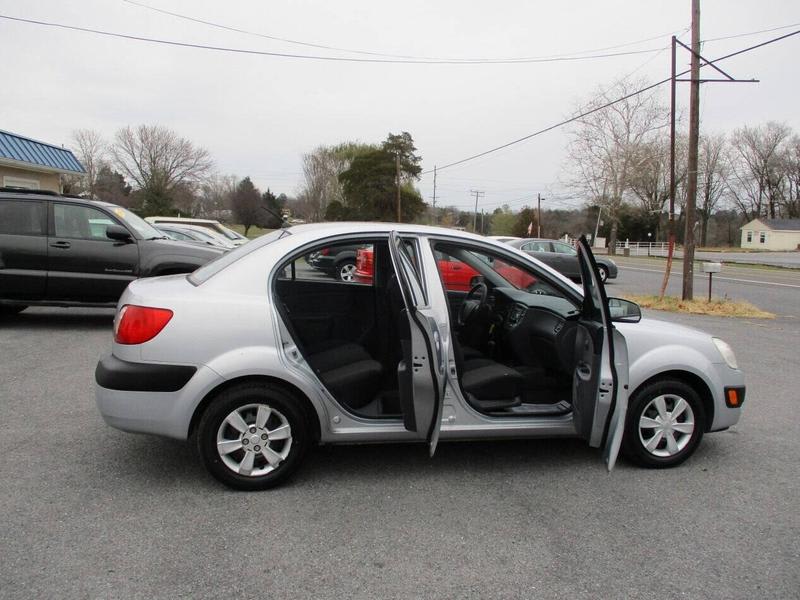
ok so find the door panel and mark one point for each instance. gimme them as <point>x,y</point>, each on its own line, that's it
<point>421,372</point>
<point>327,310</point>
<point>600,380</point>
<point>23,249</point>
<point>83,264</point>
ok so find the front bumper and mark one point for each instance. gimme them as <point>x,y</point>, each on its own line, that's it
<point>151,397</point>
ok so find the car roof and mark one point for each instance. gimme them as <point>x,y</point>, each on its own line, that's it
<point>7,193</point>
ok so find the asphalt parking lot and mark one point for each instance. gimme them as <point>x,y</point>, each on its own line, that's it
<point>91,512</point>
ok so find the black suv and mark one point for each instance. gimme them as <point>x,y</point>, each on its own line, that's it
<point>62,251</point>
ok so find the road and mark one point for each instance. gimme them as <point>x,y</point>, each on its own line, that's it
<point>773,290</point>
<point>92,512</point>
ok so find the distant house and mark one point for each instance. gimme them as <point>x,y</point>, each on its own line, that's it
<point>30,164</point>
<point>771,234</point>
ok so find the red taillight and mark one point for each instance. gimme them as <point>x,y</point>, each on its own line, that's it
<point>138,324</point>
<point>325,251</point>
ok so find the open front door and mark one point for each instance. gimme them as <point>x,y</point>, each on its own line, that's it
<point>421,372</point>
<point>600,380</point>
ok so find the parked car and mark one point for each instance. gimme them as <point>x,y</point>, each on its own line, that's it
<point>183,235</point>
<point>62,251</point>
<point>235,237</point>
<point>456,275</point>
<point>202,234</point>
<point>506,239</point>
<point>563,257</point>
<point>255,359</point>
<point>338,261</point>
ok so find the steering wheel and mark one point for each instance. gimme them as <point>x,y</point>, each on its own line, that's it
<point>473,303</point>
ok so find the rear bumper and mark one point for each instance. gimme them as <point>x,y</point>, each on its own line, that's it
<point>162,405</point>
<point>116,374</point>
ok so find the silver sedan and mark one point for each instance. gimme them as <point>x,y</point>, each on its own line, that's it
<point>256,357</point>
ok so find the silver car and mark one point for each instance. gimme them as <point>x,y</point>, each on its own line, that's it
<point>257,356</point>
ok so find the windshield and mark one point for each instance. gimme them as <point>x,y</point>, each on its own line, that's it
<point>137,223</point>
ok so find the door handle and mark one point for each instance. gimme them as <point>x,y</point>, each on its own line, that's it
<point>61,244</point>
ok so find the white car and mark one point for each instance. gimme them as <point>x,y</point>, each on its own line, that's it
<point>237,239</point>
<point>256,356</point>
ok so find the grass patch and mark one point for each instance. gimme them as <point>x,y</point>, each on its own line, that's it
<point>718,307</point>
<point>252,234</point>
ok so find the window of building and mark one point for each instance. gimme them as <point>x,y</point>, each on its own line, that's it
<point>21,182</point>
<point>749,236</point>
<point>762,237</point>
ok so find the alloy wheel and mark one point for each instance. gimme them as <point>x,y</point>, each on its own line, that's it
<point>254,440</point>
<point>347,272</point>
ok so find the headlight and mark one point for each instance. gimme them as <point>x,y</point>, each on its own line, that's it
<point>726,352</point>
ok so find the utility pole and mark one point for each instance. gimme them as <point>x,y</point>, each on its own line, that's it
<point>539,216</point>
<point>399,211</point>
<point>597,228</point>
<point>671,221</point>
<point>477,194</point>
<point>694,137</point>
<point>434,194</point>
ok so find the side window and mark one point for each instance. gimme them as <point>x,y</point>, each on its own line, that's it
<point>494,269</point>
<point>80,222</point>
<point>762,237</point>
<point>749,236</point>
<point>22,217</point>
<point>345,262</point>
<point>563,248</point>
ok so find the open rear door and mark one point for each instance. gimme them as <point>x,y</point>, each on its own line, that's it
<point>600,381</point>
<point>421,372</point>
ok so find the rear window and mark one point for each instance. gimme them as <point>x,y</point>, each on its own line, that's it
<point>210,269</point>
<point>21,217</point>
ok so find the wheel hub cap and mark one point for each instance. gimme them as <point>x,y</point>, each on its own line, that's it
<point>666,425</point>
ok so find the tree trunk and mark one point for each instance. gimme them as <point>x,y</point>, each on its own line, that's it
<point>612,238</point>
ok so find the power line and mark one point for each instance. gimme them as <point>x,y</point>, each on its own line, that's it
<point>374,53</point>
<point>150,40</point>
<point>611,103</point>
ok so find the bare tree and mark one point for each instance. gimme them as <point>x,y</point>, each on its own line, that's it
<point>711,177</point>
<point>757,174</point>
<point>604,145</point>
<point>321,170</point>
<point>92,152</point>
<point>159,163</point>
<point>215,196</point>
<point>649,177</point>
<point>790,206</point>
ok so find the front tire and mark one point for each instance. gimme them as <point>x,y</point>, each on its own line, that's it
<point>603,270</point>
<point>665,424</point>
<point>253,436</point>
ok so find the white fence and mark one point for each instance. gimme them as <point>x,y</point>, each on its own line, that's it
<point>643,248</point>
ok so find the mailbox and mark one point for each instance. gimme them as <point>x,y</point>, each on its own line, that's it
<point>712,267</point>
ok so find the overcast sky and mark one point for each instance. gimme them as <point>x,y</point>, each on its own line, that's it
<point>258,114</point>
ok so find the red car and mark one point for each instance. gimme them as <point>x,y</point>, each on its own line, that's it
<point>456,275</point>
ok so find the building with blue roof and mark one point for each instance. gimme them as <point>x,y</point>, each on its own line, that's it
<point>31,164</point>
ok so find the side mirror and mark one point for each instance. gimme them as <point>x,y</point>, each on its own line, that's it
<point>118,234</point>
<point>624,311</point>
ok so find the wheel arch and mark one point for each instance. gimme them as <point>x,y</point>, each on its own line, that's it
<point>309,411</point>
<point>693,381</point>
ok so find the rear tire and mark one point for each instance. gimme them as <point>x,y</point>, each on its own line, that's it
<point>346,270</point>
<point>665,424</point>
<point>603,270</point>
<point>253,436</point>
